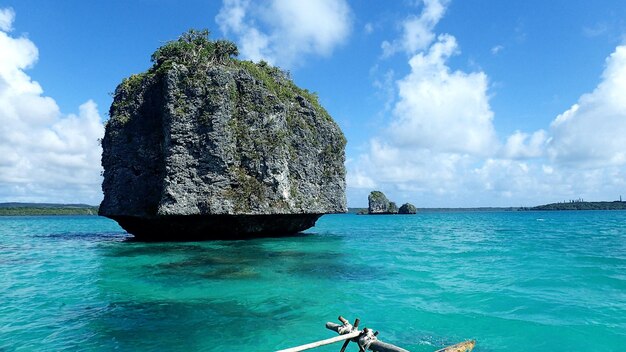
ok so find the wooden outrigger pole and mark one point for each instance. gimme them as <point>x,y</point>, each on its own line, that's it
<point>367,339</point>
<point>311,345</point>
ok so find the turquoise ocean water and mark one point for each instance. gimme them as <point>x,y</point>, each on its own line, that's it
<point>514,281</point>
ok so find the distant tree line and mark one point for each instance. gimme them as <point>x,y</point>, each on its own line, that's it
<point>581,205</point>
<point>31,211</point>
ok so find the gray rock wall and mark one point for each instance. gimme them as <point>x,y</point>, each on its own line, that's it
<point>232,139</point>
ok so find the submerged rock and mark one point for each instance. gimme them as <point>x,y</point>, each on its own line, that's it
<point>407,208</point>
<point>205,146</point>
<point>379,204</point>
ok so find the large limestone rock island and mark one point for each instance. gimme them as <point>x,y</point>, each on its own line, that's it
<point>205,146</point>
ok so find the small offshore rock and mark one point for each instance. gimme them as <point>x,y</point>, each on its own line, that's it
<point>379,204</point>
<point>407,208</point>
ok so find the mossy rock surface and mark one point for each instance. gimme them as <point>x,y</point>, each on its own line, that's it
<point>202,133</point>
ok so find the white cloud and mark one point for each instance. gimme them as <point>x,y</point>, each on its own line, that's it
<point>409,169</point>
<point>423,167</point>
<point>437,108</point>
<point>6,19</point>
<point>283,31</point>
<point>44,155</point>
<point>441,121</point>
<point>592,133</point>
<point>359,179</point>
<point>441,148</point>
<point>521,145</point>
<point>496,49</point>
<point>417,31</point>
<point>596,30</point>
<point>385,85</point>
<point>432,179</point>
<point>443,110</point>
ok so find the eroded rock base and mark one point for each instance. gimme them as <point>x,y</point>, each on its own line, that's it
<point>214,227</point>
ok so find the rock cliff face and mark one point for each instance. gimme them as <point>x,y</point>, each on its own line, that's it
<point>205,146</point>
<point>379,204</point>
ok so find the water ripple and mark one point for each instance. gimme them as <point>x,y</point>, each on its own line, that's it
<point>424,281</point>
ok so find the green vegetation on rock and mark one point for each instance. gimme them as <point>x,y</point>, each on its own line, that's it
<point>377,196</point>
<point>195,51</point>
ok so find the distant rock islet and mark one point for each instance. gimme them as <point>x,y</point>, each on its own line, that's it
<point>378,204</point>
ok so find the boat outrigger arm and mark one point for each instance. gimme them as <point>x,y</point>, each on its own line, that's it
<point>367,339</point>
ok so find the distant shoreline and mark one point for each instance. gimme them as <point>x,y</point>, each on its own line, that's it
<point>42,209</point>
<point>581,205</point>
<point>34,209</point>
<point>566,206</point>
<point>442,210</point>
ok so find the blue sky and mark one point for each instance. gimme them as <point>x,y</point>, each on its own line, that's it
<point>444,103</point>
